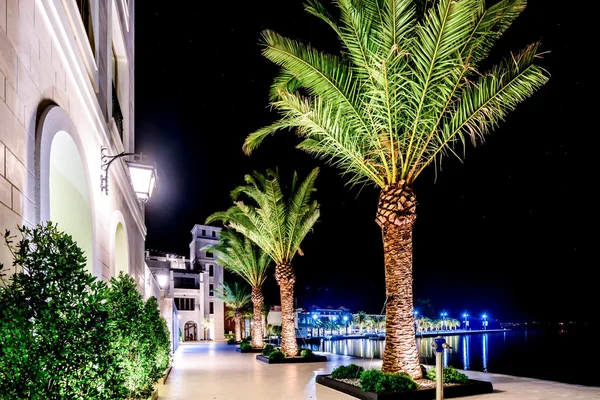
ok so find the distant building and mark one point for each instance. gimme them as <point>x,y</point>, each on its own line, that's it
<point>308,320</point>
<point>188,286</point>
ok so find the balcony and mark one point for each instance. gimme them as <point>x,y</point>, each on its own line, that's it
<point>116,111</point>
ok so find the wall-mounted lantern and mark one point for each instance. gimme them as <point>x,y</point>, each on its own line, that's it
<point>143,177</point>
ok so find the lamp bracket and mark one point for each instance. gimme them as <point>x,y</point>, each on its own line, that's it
<point>105,162</point>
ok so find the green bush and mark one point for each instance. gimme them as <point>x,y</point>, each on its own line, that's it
<point>451,375</point>
<point>267,349</point>
<point>66,335</point>
<point>55,336</point>
<point>373,380</point>
<point>351,371</point>
<point>140,338</point>
<point>231,341</point>
<point>276,355</point>
<point>249,338</point>
<point>245,347</point>
<point>306,353</point>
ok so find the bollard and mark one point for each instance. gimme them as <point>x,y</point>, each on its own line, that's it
<point>439,344</point>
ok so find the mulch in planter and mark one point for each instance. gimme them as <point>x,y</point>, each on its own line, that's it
<point>239,350</point>
<point>292,360</point>
<point>459,390</point>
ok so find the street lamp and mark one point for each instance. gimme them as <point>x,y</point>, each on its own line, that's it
<point>444,319</point>
<point>485,322</point>
<point>465,316</point>
<point>314,317</point>
<point>162,280</point>
<point>346,323</point>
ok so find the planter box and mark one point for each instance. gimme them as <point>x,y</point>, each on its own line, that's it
<point>248,351</point>
<point>163,380</point>
<point>291,360</point>
<point>472,388</point>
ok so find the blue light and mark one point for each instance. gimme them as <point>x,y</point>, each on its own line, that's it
<point>345,318</point>
<point>315,316</point>
<point>484,316</point>
<point>465,315</point>
<point>334,318</point>
<point>416,313</point>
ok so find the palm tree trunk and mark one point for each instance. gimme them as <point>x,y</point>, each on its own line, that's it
<point>285,276</point>
<point>238,326</point>
<point>396,215</point>
<point>257,332</point>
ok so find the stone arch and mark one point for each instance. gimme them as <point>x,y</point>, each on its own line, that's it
<point>191,330</point>
<point>63,191</point>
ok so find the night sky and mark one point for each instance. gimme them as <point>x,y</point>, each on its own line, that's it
<point>509,231</point>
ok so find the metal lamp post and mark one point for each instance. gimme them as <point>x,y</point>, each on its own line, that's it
<point>466,321</point>
<point>346,323</point>
<point>485,322</point>
<point>444,320</point>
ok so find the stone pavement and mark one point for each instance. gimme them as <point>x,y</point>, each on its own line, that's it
<point>215,371</point>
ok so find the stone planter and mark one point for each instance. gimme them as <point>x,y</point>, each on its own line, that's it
<point>239,350</point>
<point>472,388</point>
<point>292,360</point>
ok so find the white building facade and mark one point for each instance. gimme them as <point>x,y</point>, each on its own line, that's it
<point>188,288</point>
<point>66,92</point>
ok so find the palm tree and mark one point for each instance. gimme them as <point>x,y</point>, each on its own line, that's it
<point>360,318</point>
<point>236,297</point>
<point>241,256</point>
<point>277,224</point>
<point>406,91</point>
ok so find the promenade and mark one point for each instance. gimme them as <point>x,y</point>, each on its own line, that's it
<point>215,371</point>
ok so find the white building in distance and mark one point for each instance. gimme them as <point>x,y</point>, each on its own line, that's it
<point>67,93</point>
<point>188,286</point>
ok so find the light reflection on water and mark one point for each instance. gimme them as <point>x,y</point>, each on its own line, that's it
<point>459,356</point>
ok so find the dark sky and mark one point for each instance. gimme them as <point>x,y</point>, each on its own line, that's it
<point>511,231</point>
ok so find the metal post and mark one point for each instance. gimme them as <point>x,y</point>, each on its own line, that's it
<point>439,375</point>
<point>439,345</point>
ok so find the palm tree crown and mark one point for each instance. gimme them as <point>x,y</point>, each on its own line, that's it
<point>235,296</point>
<point>405,89</point>
<point>241,256</point>
<point>276,223</point>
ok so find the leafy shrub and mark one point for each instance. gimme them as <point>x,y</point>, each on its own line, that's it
<point>245,347</point>
<point>373,380</point>
<point>140,338</point>
<point>267,349</point>
<point>451,375</point>
<point>231,341</point>
<point>249,338</point>
<point>276,355</point>
<point>55,335</point>
<point>351,371</point>
<point>306,353</point>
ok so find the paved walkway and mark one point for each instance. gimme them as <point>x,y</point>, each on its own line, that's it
<point>215,371</point>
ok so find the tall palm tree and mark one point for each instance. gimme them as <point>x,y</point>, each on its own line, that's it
<point>241,256</point>
<point>277,223</point>
<point>406,90</point>
<point>236,297</point>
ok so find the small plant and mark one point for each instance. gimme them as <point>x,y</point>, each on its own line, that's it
<point>249,338</point>
<point>373,380</point>
<point>451,375</point>
<point>231,341</point>
<point>268,349</point>
<point>244,341</point>
<point>306,353</point>
<point>245,347</point>
<point>351,371</point>
<point>276,355</point>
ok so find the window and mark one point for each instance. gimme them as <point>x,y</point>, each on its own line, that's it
<point>184,304</point>
<point>211,271</point>
<point>214,234</point>
<point>184,283</point>
<point>211,307</point>
<point>203,232</point>
<point>211,289</point>
<point>85,9</point>
<point>209,254</point>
